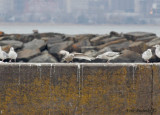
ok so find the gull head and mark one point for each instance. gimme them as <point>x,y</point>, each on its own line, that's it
<point>12,49</point>
<point>156,46</point>
<point>149,50</point>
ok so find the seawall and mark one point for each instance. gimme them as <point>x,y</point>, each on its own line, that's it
<point>64,89</point>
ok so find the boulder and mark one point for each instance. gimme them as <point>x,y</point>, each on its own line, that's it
<point>153,42</point>
<point>12,43</point>
<point>45,57</point>
<point>97,40</point>
<point>55,39</point>
<point>82,43</point>
<point>35,44</point>
<point>128,56</point>
<point>115,34</point>
<point>55,48</point>
<point>6,48</point>
<point>84,36</point>
<point>27,54</point>
<point>138,47</point>
<point>111,41</point>
<point>87,48</point>
<point>120,46</point>
<point>106,49</point>
<point>138,35</point>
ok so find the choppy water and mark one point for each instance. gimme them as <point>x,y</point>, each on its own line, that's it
<point>77,29</point>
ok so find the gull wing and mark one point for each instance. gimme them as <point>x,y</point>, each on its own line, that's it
<point>111,54</point>
<point>64,52</point>
<point>84,57</point>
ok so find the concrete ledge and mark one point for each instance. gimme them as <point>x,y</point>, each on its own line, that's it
<point>97,88</point>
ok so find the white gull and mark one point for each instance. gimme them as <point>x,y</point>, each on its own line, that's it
<point>3,54</point>
<point>12,54</point>
<point>109,55</point>
<point>147,55</point>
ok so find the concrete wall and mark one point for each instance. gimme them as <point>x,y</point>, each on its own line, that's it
<point>69,89</point>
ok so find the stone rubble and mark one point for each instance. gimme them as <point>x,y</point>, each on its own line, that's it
<point>45,47</point>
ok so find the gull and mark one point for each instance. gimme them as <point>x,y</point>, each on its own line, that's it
<point>109,55</point>
<point>12,54</point>
<point>68,57</point>
<point>157,50</point>
<point>147,55</point>
<point>3,54</point>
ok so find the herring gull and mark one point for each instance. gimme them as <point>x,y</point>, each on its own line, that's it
<point>109,55</point>
<point>147,55</point>
<point>3,54</point>
<point>12,54</point>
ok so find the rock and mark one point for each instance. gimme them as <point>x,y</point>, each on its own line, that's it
<point>45,57</point>
<point>138,47</point>
<point>120,46</point>
<point>82,43</point>
<point>12,43</point>
<point>1,33</point>
<point>27,54</point>
<point>153,42</point>
<point>111,41</point>
<point>146,39</point>
<point>97,40</point>
<point>106,49</point>
<point>35,44</point>
<point>25,38</point>
<point>51,34</point>
<point>115,34</point>
<point>87,48</point>
<point>35,31</point>
<point>55,48</point>
<point>138,35</point>
<point>55,39</point>
<point>128,56</point>
<point>84,36</point>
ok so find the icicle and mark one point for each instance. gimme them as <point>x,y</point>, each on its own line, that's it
<point>19,81</point>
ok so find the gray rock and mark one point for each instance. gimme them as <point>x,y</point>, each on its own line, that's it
<point>128,56</point>
<point>153,42</point>
<point>87,48</point>
<point>138,47</point>
<point>106,49</point>
<point>35,44</point>
<point>55,39</point>
<point>82,43</point>
<point>111,41</point>
<point>113,33</point>
<point>97,40</point>
<point>45,57</point>
<point>55,48</point>
<point>84,36</point>
<point>138,35</point>
<point>27,54</point>
<point>120,46</point>
<point>12,43</point>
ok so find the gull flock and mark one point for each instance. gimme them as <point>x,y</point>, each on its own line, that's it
<point>68,57</point>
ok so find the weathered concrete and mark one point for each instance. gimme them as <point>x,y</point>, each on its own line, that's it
<point>80,89</point>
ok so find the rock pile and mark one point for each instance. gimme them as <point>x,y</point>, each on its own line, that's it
<point>45,47</point>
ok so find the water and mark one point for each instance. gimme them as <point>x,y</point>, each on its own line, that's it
<point>77,29</point>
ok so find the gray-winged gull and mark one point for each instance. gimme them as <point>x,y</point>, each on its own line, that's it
<point>147,55</point>
<point>68,57</point>
<point>157,50</point>
<point>12,54</point>
<point>3,54</point>
<point>109,55</point>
